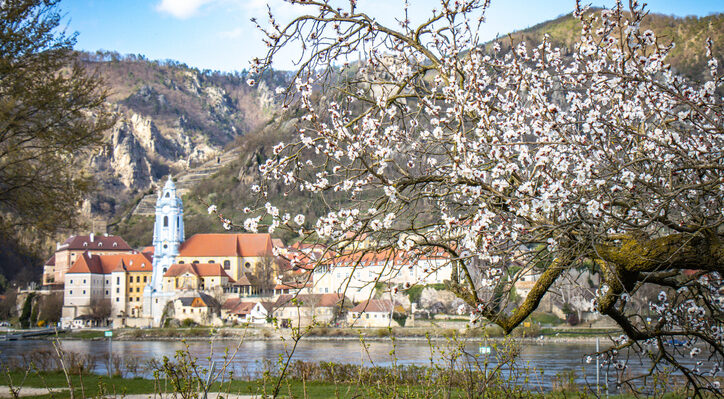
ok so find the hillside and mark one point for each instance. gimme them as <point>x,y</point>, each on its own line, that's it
<point>688,33</point>
<point>170,118</point>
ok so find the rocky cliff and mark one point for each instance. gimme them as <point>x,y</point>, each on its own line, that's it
<point>170,118</point>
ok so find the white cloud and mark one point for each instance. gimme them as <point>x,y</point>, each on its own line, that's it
<point>181,8</point>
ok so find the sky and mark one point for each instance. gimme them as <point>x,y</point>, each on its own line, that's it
<point>218,34</point>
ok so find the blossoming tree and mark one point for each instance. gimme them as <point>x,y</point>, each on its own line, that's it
<point>518,160</point>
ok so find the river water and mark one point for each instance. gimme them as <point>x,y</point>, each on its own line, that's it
<point>543,360</point>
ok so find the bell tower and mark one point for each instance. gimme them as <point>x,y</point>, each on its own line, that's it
<point>168,232</point>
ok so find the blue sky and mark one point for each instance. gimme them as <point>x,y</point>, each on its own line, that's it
<point>217,34</point>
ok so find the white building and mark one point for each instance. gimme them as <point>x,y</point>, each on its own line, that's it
<point>99,285</point>
<point>374,313</point>
<point>357,274</point>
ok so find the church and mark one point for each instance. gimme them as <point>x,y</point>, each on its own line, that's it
<point>140,288</point>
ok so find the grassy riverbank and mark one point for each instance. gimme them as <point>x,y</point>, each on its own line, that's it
<point>256,333</point>
<point>103,386</point>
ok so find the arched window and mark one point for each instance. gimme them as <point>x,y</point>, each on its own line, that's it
<point>227,264</point>
<point>167,194</point>
<point>165,221</point>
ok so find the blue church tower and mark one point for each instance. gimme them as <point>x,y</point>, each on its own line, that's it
<point>168,234</point>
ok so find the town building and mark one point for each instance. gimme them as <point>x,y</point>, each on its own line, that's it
<point>239,311</point>
<point>375,313</point>
<point>310,309</point>
<point>197,307</point>
<point>358,274</point>
<point>237,253</point>
<point>105,286</point>
<point>68,252</point>
<point>196,277</point>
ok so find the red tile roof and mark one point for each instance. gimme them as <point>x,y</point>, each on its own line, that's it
<point>242,245</point>
<point>197,269</point>
<point>243,308</point>
<point>106,264</point>
<point>377,305</point>
<point>99,242</point>
<point>50,262</point>
<point>231,303</point>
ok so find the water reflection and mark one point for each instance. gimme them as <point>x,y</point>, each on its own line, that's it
<point>543,360</point>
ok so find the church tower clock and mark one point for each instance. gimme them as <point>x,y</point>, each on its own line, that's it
<point>168,234</point>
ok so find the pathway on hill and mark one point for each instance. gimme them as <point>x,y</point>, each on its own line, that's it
<point>186,180</point>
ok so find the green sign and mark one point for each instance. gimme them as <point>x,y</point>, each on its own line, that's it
<point>109,334</point>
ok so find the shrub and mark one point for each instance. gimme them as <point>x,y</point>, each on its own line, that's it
<point>188,323</point>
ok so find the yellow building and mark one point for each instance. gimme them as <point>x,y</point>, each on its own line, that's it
<point>236,253</point>
<point>196,277</point>
<point>107,285</point>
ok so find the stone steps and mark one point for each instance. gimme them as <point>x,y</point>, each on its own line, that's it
<point>186,180</point>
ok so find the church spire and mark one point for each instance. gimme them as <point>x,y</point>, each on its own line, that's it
<point>168,232</point>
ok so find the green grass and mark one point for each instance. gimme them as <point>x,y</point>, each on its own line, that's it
<point>94,385</point>
<point>82,334</point>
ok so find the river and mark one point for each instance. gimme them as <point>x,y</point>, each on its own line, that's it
<point>544,360</point>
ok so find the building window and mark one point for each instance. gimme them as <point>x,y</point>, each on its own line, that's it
<point>118,280</point>
<point>167,194</point>
<point>83,281</point>
<point>138,279</point>
<point>247,265</point>
<point>227,265</point>
<point>212,261</point>
<point>138,289</point>
<point>118,290</point>
<point>83,292</point>
<point>71,281</point>
<point>107,292</point>
<point>196,262</point>
<point>108,281</point>
<point>118,299</point>
<point>71,292</point>
<point>145,279</point>
<point>180,262</point>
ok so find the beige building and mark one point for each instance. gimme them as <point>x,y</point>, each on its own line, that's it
<point>197,307</point>
<point>107,286</point>
<point>374,313</point>
<point>307,309</point>
<point>196,277</point>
